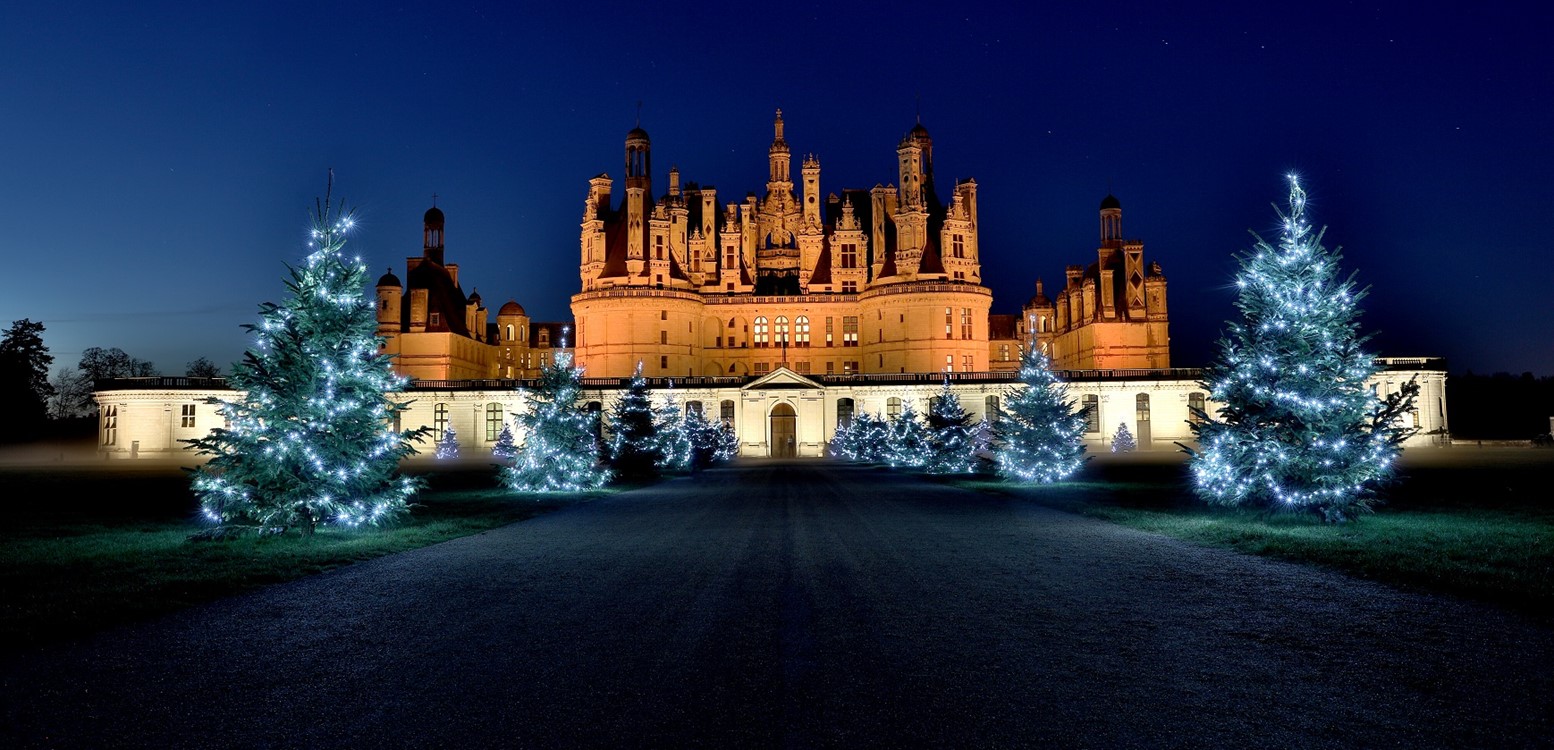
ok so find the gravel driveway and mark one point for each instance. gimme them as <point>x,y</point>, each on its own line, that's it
<point>803,604</point>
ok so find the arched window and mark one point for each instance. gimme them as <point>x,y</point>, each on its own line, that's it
<point>544,337</point>
<point>990,409</point>
<point>1092,407</point>
<point>782,330</point>
<point>439,420</point>
<point>726,412</point>
<point>1195,407</point>
<point>844,412</point>
<point>493,421</point>
<point>509,331</point>
<point>760,333</point>
<point>893,407</point>
<point>801,331</point>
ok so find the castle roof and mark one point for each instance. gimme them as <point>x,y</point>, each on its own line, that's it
<point>389,279</point>
<point>1110,201</point>
<point>443,297</point>
<point>1002,326</point>
<point>511,308</point>
<point>433,217</point>
<point>822,272</point>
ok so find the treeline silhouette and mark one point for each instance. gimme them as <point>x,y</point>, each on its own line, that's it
<point>1501,406</point>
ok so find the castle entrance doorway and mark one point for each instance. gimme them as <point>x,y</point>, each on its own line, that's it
<point>784,432</point>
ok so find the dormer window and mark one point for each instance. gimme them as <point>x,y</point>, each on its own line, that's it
<point>434,319</point>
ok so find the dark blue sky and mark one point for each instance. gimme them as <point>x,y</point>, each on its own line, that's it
<point>159,161</point>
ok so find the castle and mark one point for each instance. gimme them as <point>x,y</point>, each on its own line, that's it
<point>862,281</point>
<point>784,315</point>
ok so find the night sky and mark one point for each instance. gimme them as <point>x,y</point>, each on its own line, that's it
<point>159,161</point>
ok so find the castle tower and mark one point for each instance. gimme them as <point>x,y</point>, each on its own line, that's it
<point>389,293</point>
<point>1111,221</point>
<point>639,191</point>
<point>432,245</point>
<point>779,160</point>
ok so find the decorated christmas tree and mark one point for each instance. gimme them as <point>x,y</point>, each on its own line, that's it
<point>950,446</point>
<point>1122,440</point>
<point>560,450</point>
<point>505,448</point>
<point>448,444</point>
<point>634,448</point>
<point>1298,428</point>
<point>672,434</point>
<point>712,440</point>
<point>1040,430</point>
<point>311,440</point>
<point>907,442</point>
<point>865,439</point>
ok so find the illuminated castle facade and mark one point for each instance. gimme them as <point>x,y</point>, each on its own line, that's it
<point>880,280</point>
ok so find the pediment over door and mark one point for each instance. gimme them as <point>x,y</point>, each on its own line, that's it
<point>779,378</point>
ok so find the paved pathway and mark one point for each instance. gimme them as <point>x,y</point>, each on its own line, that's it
<point>802,604</point>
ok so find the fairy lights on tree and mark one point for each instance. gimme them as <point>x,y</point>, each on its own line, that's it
<point>448,444</point>
<point>1298,427</point>
<point>712,440</point>
<point>505,448</point>
<point>1122,440</point>
<point>906,442</point>
<point>1040,432</point>
<point>560,448</point>
<point>672,435</point>
<point>950,445</point>
<point>634,449</point>
<point>310,441</point>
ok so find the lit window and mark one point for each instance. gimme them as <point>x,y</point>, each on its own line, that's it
<point>439,420</point>
<point>801,331</point>
<point>965,322</point>
<point>1092,409</point>
<point>782,330</point>
<point>110,420</point>
<point>949,323</point>
<point>493,422</point>
<point>829,341</point>
<point>949,363</point>
<point>761,333</point>
<point>1195,407</point>
<point>850,330</point>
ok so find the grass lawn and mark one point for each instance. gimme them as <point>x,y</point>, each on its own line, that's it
<point>1469,521</point>
<point>86,547</point>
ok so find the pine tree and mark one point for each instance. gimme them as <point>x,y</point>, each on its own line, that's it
<point>505,448</point>
<point>634,449</point>
<point>560,451</point>
<point>1298,427</point>
<point>712,440</point>
<point>949,435</point>
<point>24,379</point>
<point>907,441</point>
<point>672,435</point>
<point>1122,440</point>
<point>448,444</point>
<point>1040,434</point>
<point>310,440</point>
<point>864,440</point>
